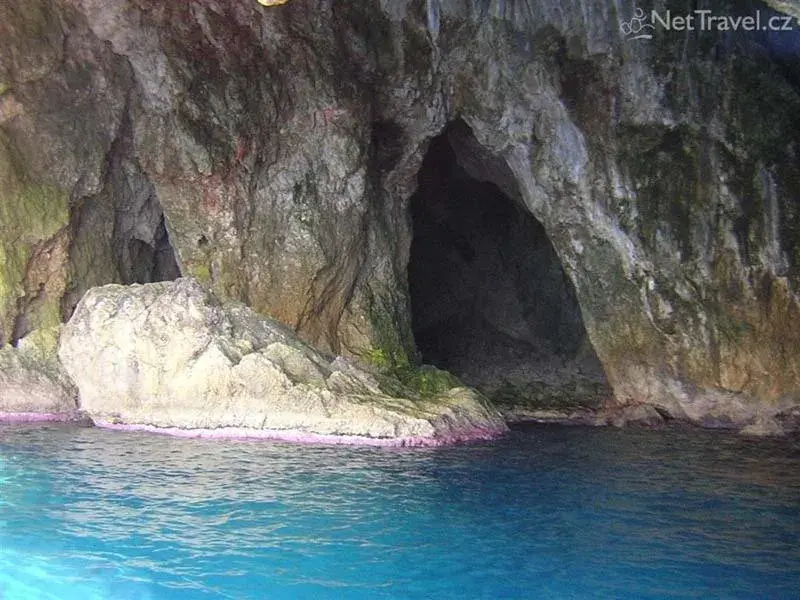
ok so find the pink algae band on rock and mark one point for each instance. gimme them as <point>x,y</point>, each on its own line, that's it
<point>303,437</point>
<point>34,417</point>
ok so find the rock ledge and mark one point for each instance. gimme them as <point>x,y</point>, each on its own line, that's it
<point>169,357</point>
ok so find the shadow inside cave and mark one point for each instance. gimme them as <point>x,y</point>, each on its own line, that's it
<point>490,300</point>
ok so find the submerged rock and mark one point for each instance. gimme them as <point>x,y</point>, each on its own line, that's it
<point>33,384</point>
<point>171,357</point>
<point>778,424</point>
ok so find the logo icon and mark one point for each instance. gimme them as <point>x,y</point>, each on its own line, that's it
<point>637,28</point>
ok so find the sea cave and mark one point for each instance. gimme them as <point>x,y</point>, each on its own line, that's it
<point>399,299</point>
<point>490,300</point>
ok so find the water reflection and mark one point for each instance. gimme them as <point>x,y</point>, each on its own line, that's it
<point>549,511</point>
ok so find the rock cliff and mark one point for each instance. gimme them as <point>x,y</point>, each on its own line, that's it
<point>649,187</point>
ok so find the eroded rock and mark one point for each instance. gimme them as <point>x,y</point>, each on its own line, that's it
<point>272,152</point>
<point>170,356</point>
<point>33,384</point>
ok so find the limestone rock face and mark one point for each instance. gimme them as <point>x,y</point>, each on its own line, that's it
<point>171,356</point>
<point>789,7</point>
<point>271,152</point>
<point>33,384</point>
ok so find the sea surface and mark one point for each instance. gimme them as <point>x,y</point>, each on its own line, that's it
<point>546,512</point>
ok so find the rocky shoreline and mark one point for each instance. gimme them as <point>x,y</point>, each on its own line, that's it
<point>34,417</point>
<point>171,358</point>
<point>305,437</point>
<point>476,434</point>
<point>512,191</point>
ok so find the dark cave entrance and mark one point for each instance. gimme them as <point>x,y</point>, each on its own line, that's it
<point>141,244</point>
<point>129,223</point>
<point>146,255</point>
<point>490,300</point>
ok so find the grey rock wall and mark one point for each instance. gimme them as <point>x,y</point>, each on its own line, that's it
<point>282,145</point>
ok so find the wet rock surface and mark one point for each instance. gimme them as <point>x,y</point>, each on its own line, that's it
<point>272,152</point>
<point>170,357</point>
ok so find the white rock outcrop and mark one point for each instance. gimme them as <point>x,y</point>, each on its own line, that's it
<point>169,356</point>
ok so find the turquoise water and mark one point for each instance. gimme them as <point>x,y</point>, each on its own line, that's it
<point>544,513</point>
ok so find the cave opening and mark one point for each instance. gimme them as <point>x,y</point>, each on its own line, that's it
<point>143,250</point>
<point>490,301</point>
<point>147,260</point>
<point>121,235</point>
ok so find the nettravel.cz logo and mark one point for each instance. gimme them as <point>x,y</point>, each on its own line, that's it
<point>641,27</point>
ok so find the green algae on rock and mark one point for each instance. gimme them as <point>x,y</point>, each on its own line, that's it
<point>33,252</point>
<point>33,384</point>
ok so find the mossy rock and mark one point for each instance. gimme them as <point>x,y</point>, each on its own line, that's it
<point>400,378</point>
<point>41,343</point>
<point>201,272</point>
<point>428,381</point>
<point>568,397</point>
<point>30,215</point>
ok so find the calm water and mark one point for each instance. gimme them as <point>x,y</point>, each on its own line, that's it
<point>543,513</point>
